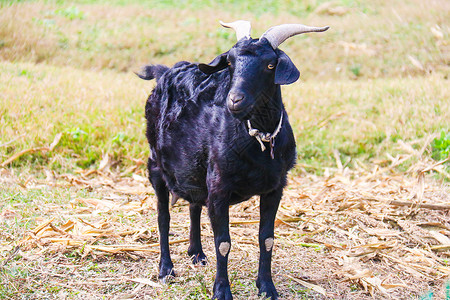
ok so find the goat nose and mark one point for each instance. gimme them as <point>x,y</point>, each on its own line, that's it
<point>236,97</point>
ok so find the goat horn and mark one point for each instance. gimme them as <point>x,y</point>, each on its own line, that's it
<point>278,34</point>
<point>241,27</point>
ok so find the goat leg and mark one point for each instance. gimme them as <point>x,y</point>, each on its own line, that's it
<point>195,244</point>
<point>165,263</point>
<point>162,193</point>
<point>268,209</point>
<point>219,216</point>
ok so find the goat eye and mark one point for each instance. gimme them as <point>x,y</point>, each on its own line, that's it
<point>270,66</point>
<point>229,63</point>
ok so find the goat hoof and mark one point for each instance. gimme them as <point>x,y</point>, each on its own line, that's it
<point>267,289</point>
<point>165,273</point>
<point>167,279</point>
<point>222,291</point>
<point>199,258</point>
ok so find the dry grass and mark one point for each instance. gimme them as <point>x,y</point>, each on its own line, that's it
<point>367,39</point>
<point>348,236</point>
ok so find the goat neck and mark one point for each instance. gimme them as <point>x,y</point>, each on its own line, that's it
<point>266,115</point>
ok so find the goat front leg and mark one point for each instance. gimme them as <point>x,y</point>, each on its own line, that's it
<point>268,209</point>
<point>162,194</point>
<point>195,244</point>
<point>219,215</point>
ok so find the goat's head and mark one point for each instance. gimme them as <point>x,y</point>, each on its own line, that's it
<point>256,66</point>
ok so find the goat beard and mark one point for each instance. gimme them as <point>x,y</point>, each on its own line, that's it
<point>263,99</point>
<point>268,110</point>
<point>243,115</point>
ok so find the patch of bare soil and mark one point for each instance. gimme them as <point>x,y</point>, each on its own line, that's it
<point>352,235</point>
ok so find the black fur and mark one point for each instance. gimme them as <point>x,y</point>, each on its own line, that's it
<point>201,149</point>
<point>152,72</point>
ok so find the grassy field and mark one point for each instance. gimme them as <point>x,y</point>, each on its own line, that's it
<point>373,98</point>
<point>392,74</point>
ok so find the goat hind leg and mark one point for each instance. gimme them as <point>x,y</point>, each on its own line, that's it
<point>195,244</point>
<point>162,193</point>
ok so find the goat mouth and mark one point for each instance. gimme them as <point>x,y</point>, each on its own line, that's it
<point>241,113</point>
<point>236,110</point>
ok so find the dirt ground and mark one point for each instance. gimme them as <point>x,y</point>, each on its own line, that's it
<point>366,234</point>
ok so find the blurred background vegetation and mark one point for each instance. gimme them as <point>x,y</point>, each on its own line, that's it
<point>374,88</point>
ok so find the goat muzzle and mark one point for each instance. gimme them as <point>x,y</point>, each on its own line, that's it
<point>236,102</point>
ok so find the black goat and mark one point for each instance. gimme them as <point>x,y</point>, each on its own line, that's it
<point>208,130</point>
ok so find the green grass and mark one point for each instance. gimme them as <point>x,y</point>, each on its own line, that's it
<point>96,113</point>
<point>366,120</point>
<point>296,8</point>
<point>101,113</point>
<point>441,146</point>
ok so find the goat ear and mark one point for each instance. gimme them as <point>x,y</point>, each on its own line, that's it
<point>219,63</point>
<point>286,72</point>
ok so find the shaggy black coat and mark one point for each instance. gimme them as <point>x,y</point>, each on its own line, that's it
<point>191,131</point>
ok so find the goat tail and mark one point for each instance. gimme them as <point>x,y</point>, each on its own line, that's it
<point>150,72</point>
